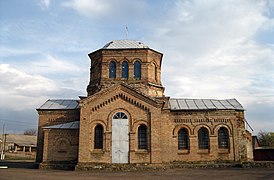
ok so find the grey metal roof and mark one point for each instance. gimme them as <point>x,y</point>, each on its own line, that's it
<point>70,125</point>
<point>21,140</point>
<point>204,104</point>
<point>125,44</point>
<point>60,104</point>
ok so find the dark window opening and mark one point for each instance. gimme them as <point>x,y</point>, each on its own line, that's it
<point>125,70</point>
<point>142,137</point>
<point>203,137</point>
<point>183,139</point>
<point>137,70</point>
<point>112,69</point>
<point>223,138</point>
<point>98,137</point>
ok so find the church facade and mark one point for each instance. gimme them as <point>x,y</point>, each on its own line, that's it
<point>127,119</point>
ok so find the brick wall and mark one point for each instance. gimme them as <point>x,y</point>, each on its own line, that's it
<point>53,117</point>
<point>60,145</point>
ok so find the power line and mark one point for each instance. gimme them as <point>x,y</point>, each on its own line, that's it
<point>22,122</point>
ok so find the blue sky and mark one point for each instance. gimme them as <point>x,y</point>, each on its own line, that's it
<point>212,49</point>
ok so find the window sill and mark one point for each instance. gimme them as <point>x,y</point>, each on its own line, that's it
<point>223,151</point>
<point>203,151</point>
<point>141,151</point>
<point>97,151</point>
<point>183,151</point>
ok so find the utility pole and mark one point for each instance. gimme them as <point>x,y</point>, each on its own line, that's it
<point>3,144</point>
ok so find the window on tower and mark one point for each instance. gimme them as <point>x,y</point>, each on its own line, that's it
<point>125,69</point>
<point>112,69</point>
<point>137,70</point>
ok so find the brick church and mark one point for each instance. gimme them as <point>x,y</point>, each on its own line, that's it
<point>126,118</point>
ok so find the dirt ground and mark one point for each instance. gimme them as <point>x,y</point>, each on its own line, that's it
<point>204,174</point>
<point>25,170</point>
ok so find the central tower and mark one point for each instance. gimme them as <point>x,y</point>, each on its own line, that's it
<point>126,61</point>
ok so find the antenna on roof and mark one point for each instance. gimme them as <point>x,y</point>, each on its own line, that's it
<point>126,32</point>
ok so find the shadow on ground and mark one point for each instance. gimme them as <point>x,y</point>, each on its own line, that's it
<point>19,164</point>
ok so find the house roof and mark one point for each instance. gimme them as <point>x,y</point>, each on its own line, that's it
<point>70,125</point>
<point>125,44</point>
<point>59,104</point>
<point>21,140</point>
<point>204,104</point>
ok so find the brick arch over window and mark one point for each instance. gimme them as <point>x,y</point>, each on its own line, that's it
<point>178,127</point>
<point>142,136</point>
<point>112,69</point>
<point>223,138</point>
<point>218,126</point>
<point>197,127</point>
<point>111,115</point>
<point>203,138</point>
<point>183,139</point>
<point>137,70</point>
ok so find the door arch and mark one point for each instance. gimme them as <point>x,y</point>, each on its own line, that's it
<point>120,138</point>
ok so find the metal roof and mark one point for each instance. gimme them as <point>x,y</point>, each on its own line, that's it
<point>60,104</point>
<point>204,104</point>
<point>21,140</point>
<point>125,44</point>
<point>70,125</point>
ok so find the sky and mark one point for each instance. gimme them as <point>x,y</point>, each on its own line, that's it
<point>212,49</point>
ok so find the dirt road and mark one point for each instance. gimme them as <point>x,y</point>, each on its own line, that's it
<point>204,174</point>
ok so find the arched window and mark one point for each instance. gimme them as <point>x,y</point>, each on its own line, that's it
<point>125,69</point>
<point>98,137</point>
<point>137,70</point>
<point>203,138</point>
<point>112,69</point>
<point>142,137</point>
<point>120,115</point>
<point>183,139</point>
<point>223,138</point>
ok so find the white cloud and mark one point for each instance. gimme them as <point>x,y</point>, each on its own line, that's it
<point>212,48</point>
<point>115,10</point>
<point>20,90</point>
<point>92,8</point>
<point>9,51</point>
<point>44,4</point>
<point>30,83</point>
<point>51,64</point>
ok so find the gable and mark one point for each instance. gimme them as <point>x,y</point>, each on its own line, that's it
<point>120,91</point>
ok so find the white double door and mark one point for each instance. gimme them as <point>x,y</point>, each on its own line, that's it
<point>120,141</point>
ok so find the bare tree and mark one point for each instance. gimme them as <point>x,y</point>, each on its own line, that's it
<point>32,132</point>
<point>266,139</point>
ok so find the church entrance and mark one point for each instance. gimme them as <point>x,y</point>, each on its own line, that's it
<point>120,138</point>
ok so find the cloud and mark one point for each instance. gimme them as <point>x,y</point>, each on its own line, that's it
<point>9,51</point>
<point>44,4</point>
<point>20,90</point>
<point>212,48</point>
<point>28,84</point>
<point>110,10</point>
<point>91,8</point>
<point>54,65</point>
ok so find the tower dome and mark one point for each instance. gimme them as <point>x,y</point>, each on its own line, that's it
<point>125,44</point>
